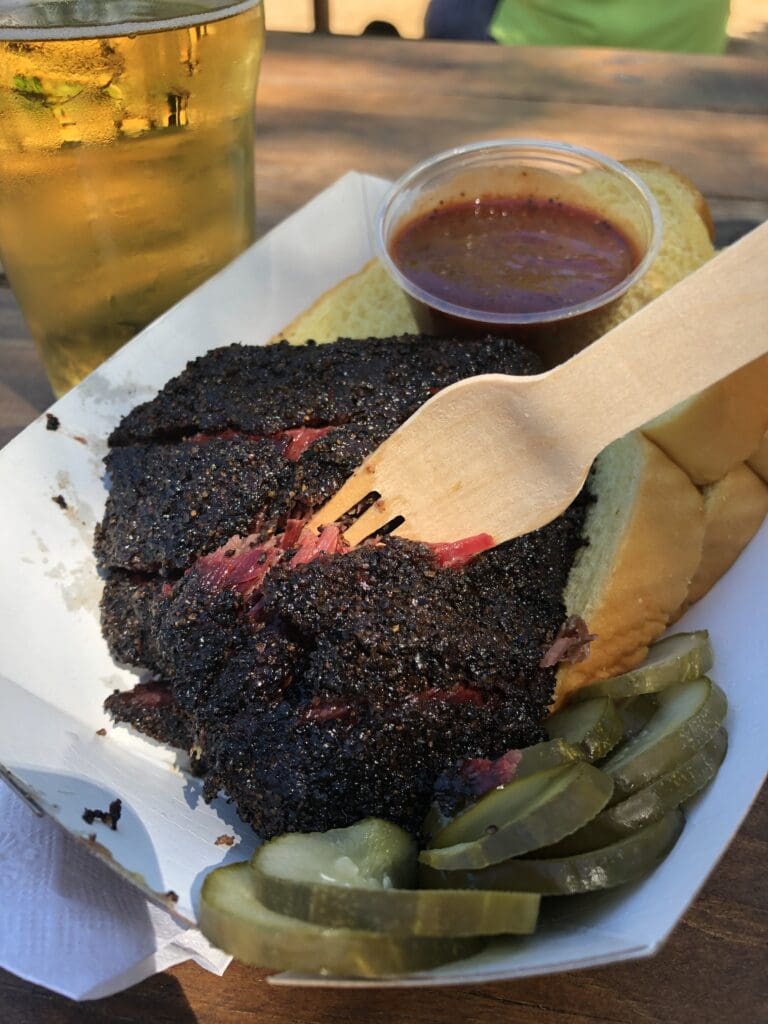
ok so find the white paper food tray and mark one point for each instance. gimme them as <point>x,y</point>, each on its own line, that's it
<point>55,670</point>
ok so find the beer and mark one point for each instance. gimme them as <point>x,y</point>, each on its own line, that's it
<point>126,163</point>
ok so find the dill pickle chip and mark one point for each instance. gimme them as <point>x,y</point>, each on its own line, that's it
<point>536,758</point>
<point>404,912</point>
<point>594,727</point>
<point>372,853</point>
<point>649,804</point>
<point>541,756</point>
<point>521,816</point>
<point>675,659</point>
<point>687,717</point>
<point>233,919</point>
<point>636,713</point>
<point>331,878</point>
<point>620,862</point>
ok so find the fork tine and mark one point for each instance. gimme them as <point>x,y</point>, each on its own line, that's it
<point>357,487</point>
<point>378,515</point>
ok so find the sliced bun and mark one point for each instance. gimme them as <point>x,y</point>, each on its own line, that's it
<point>673,190</point>
<point>644,540</point>
<point>686,242</point>
<point>758,460</point>
<point>718,429</point>
<point>366,305</point>
<point>734,509</point>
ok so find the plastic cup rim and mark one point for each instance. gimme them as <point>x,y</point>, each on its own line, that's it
<point>31,33</point>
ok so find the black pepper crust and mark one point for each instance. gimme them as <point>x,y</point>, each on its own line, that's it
<point>315,775</point>
<point>346,686</point>
<point>150,708</point>
<point>414,666</point>
<point>170,503</point>
<point>198,631</point>
<point>129,607</point>
<point>383,622</point>
<point>375,384</point>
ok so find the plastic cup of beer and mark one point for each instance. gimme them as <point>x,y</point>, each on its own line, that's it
<point>126,162</point>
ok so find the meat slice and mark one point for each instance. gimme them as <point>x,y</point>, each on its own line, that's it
<point>261,390</point>
<point>170,503</point>
<point>129,607</point>
<point>307,771</point>
<point>152,709</point>
<point>386,622</point>
<point>370,673</point>
<point>198,630</point>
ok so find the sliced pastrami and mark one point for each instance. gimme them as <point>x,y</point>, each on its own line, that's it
<point>322,710</point>
<point>484,775</point>
<point>473,777</point>
<point>129,608</point>
<point>290,443</point>
<point>455,695</point>
<point>152,709</point>
<point>571,643</point>
<point>376,384</point>
<point>324,689</point>
<point>170,503</point>
<point>311,545</point>
<point>243,563</point>
<point>456,553</point>
<point>299,440</point>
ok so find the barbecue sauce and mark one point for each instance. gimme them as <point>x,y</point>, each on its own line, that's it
<point>513,255</point>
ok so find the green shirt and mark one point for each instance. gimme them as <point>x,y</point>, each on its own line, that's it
<point>692,26</point>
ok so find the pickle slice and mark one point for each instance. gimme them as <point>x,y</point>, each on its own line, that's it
<point>331,878</point>
<point>594,727</point>
<point>372,853</point>
<point>636,713</point>
<point>649,804</point>
<point>234,920</point>
<point>414,912</point>
<point>623,861</point>
<point>675,659</point>
<point>521,816</point>
<point>537,758</point>
<point>688,716</point>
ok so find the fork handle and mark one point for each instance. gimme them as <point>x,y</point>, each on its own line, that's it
<point>710,324</point>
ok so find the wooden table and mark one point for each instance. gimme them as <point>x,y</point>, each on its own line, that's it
<point>327,105</point>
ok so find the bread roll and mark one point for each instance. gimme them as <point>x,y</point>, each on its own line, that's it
<point>686,241</point>
<point>366,305</point>
<point>644,538</point>
<point>717,429</point>
<point>758,460</point>
<point>734,509</point>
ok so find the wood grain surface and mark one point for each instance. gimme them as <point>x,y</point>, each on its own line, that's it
<point>327,105</point>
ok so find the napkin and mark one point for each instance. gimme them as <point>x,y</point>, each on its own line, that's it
<point>69,923</point>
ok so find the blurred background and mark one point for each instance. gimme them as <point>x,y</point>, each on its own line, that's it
<point>747,27</point>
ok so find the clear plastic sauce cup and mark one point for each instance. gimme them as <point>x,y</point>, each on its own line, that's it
<point>537,240</point>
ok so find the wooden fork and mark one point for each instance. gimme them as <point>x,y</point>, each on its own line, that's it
<point>503,455</point>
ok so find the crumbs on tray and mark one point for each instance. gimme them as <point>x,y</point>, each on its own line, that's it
<point>109,817</point>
